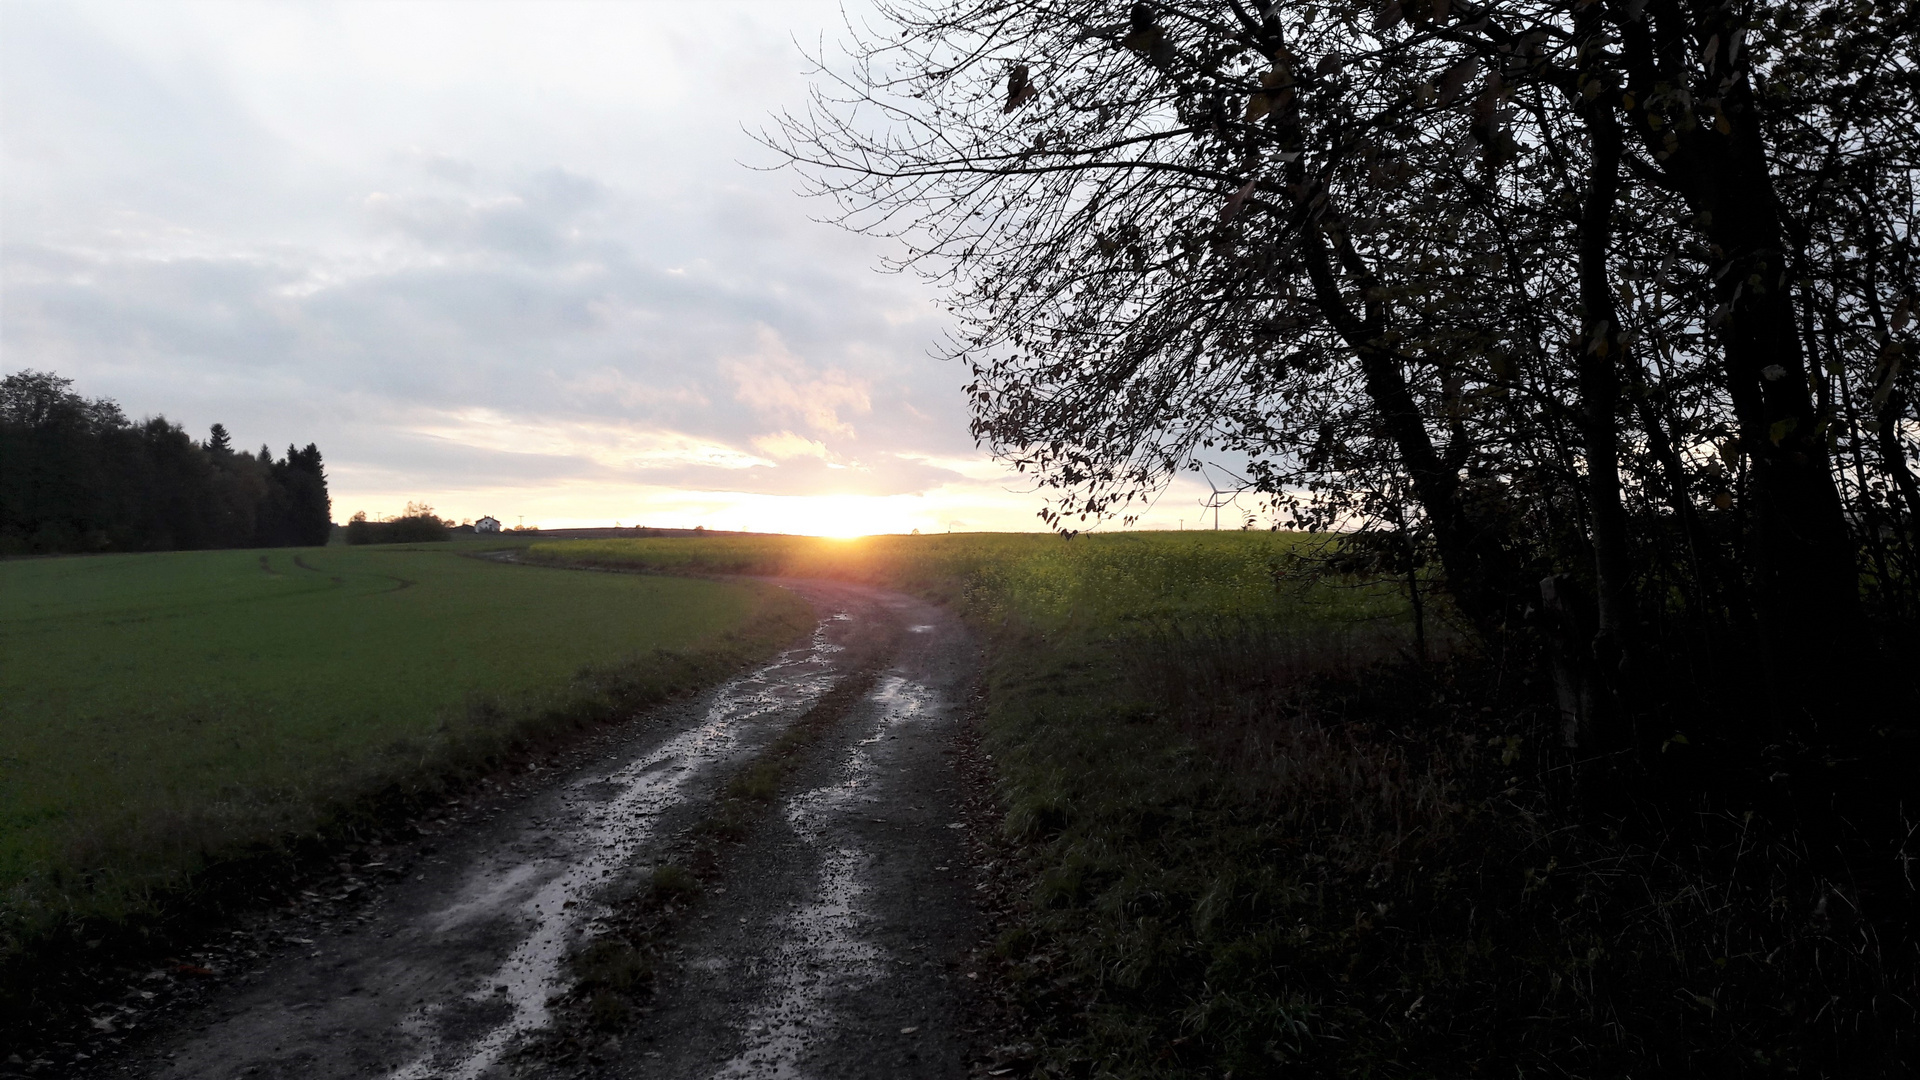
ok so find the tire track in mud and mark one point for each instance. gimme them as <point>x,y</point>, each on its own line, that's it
<point>812,955</point>
<point>839,946</point>
<point>603,840</point>
<point>823,949</point>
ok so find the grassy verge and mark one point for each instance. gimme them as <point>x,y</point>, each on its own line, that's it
<point>1256,838</point>
<point>1247,857</point>
<point>162,716</point>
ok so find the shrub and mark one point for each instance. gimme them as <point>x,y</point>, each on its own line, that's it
<point>417,526</point>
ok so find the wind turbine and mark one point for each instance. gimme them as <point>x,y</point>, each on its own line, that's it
<point>1214,501</point>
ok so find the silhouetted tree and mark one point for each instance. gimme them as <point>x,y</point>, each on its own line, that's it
<point>75,475</point>
<point>309,510</point>
<point>1534,282</point>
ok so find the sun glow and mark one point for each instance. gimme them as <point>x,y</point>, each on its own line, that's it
<point>967,504</point>
<point>846,516</point>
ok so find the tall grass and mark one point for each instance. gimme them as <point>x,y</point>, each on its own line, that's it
<point>1364,867</point>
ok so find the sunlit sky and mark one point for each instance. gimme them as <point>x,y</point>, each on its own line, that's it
<point>508,259</point>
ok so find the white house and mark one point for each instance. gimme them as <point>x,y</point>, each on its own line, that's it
<point>487,524</point>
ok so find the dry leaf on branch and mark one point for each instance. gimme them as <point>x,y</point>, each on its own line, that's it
<point>1019,90</point>
<point>1455,80</point>
<point>1260,104</point>
<point>1238,198</point>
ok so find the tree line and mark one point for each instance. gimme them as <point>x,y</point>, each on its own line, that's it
<point>419,524</point>
<point>1599,313</point>
<point>77,476</point>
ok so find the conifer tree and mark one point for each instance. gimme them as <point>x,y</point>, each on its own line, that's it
<point>76,475</point>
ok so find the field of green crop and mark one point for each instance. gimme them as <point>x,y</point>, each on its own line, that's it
<point>1108,580</point>
<point>158,709</point>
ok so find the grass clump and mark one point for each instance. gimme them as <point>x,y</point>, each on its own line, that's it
<point>612,971</point>
<point>671,883</point>
<point>608,972</point>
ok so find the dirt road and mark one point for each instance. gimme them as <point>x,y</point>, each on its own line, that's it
<point>830,943</point>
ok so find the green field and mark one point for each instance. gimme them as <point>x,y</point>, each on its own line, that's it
<point>1110,580</point>
<point>160,709</point>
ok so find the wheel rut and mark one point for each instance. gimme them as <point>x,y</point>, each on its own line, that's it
<point>831,941</point>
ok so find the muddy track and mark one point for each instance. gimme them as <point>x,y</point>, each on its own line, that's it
<point>832,938</point>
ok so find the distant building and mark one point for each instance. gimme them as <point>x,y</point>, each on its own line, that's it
<point>487,525</point>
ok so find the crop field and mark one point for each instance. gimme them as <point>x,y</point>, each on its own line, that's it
<point>1103,581</point>
<point>158,709</point>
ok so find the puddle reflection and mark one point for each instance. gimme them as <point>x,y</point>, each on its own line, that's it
<point>608,819</point>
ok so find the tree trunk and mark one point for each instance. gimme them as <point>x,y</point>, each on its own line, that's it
<point>1800,558</point>
<point>1598,366</point>
<point>1804,572</point>
<point>1472,557</point>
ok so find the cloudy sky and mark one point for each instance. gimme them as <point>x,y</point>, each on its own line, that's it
<point>505,258</point>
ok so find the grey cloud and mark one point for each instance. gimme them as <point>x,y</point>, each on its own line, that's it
<point>887,475</point>
<point>453,170</point>
<point>539,222</point>
<point>455,464</point>
<point>166,246</point>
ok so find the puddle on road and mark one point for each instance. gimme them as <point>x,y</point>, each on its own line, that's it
<point>823,950</point>
<point>608,818</point>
